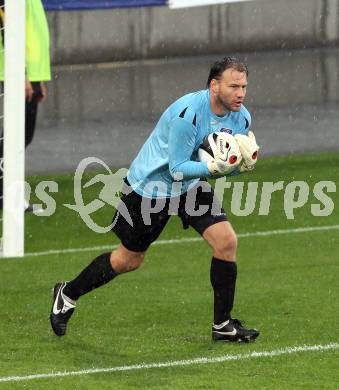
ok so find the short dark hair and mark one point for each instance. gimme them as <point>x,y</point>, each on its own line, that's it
<point>220,66</point>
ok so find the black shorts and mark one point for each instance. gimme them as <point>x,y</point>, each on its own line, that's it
<point>146,218</point>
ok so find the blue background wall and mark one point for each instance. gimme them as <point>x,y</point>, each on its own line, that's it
<point>55,5</point>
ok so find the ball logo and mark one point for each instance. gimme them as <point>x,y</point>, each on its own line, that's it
<point>221,145</point>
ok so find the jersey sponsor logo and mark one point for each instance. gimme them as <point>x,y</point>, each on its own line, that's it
<point>226,130</point>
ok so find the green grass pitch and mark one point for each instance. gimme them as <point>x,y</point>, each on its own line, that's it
<point>287,287</point>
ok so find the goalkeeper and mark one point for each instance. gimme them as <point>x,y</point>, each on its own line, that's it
<point>166,172</point>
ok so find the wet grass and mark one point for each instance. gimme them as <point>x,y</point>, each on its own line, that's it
<point>287,287</point>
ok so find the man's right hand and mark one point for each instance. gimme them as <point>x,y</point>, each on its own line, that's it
<point>217,168</point>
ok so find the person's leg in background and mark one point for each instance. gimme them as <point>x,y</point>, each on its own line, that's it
<point>31,111</point>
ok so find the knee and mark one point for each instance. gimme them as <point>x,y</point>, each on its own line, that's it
<point>134,262</point>
<point>122,262</point>
<point>226,246</point>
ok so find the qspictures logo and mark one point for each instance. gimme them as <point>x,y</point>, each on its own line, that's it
<point>113,186</point>
<point>244,198</point>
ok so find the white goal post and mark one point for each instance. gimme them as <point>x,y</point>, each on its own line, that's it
<point>14,129</point>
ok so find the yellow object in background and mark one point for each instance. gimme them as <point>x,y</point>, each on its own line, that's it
<point>37,43</point>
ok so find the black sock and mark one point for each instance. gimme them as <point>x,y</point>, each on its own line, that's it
<point>223,279</point>
<point>96,274</point>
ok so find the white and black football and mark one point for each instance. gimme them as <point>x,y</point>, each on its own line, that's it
<point>221,147</point>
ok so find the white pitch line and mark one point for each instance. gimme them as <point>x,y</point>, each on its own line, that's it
<point>185,240</point>
<point>288,231</point>
<point>176,363</point>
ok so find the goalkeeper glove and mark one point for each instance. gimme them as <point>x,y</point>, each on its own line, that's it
<point>217,168</point>
<point>249,151</point>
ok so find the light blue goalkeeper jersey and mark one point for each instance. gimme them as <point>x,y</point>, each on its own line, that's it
<point>167,165</point>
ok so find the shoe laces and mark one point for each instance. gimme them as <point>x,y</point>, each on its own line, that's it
<point>237,323</point>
